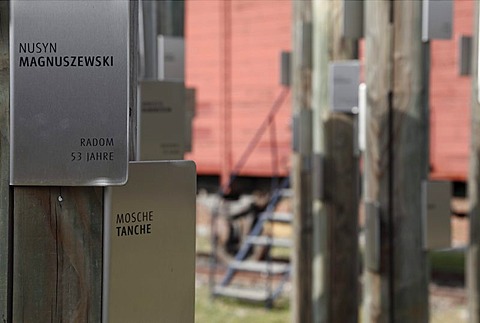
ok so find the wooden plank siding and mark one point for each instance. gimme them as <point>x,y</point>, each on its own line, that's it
<point>260,31</point>
<point>450,101</point>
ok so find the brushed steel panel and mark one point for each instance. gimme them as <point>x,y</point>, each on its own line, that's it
<point>437,19</point>
<point>69,84</point>
<point>149,269</point>
<point>171,58</point>
<point>465,55</point>
<point>344,79</point>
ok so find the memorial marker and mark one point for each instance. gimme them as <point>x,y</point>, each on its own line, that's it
<point>162,120</point>
<point>149,269</point>
<point>171,58</point>
<point>437,19</point>
<point>190,102</point>
<point>436,214</point>
<point>69,83</point>
<point>344,79</point>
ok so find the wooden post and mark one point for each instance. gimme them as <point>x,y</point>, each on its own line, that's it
<point>301,168</point>
<point>5,193</point>
<point>57,231</point>
<point>395,160</point>
<point>378,66</point>
<point>473,254</point>
<point>336,255</point>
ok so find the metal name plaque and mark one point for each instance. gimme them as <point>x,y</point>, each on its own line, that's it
<point>162,120</point>
<point>171,58</point>
<point>436,196</point>
<point>344,79</point>
<point>437,19</point>
<point>190,103</point>
<point>149,260</point>
<point>69,83</point>
<point>353,19</point>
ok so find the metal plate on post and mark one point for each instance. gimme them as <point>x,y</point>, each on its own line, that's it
<point>285,69</point>
<point>149,269</point>
<point>436,214</point>
<point>190,103</point>
<point>171,58</point>
<point>162,120</point>
<point>318,177</point>
<point>69,84</point>
<point>305,131</point>
<point>344,79</point>
<point>465,56</point>
<point>372,236</point>
<point>437,18</point>
<point>353,19</point>
<point>296,133</point>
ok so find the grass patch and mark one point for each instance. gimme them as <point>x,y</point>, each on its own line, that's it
<point>450,261</point>
<point>203,244</point>
<point>224,310</point>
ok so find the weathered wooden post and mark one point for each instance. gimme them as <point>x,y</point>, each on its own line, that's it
<point>335,210</point>
<point>396,291</point>
<point>51,248</point>
<point>301,170</point>
<point>473,254</point>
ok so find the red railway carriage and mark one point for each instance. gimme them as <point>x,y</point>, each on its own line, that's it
<point>450,96</point>
<point>233,50</point>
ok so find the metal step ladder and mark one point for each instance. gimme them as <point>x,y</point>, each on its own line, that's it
<point>268,269</point>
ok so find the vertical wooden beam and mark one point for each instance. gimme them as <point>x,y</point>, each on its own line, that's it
<point>473,253</point>
<point>378,68</point>
<point>57,254</point>
<point>226,94</point>
<point>336,252</point>
<point>410,165</point>
<point>301,169</point>
<point>5,196</point>
<point>395,160</point>
<point>58,243</point>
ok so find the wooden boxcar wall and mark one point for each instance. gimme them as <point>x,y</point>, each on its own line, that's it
<point>260,30</point>
<point>450,96</point>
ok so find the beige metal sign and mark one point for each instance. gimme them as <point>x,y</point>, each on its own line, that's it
<point>149,261</point>
<point>162,120</point>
